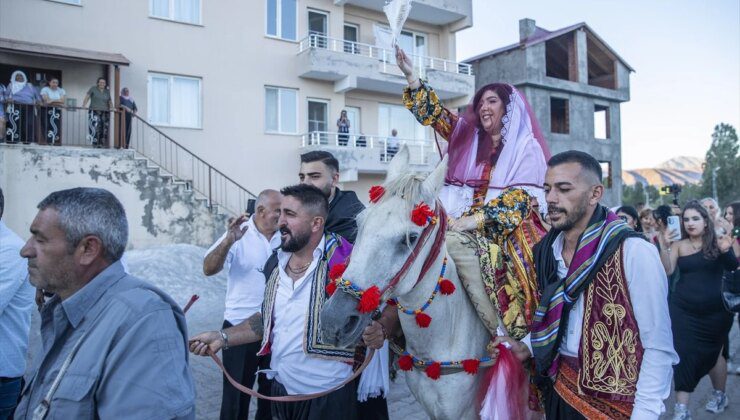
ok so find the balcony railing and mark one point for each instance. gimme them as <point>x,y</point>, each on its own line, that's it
<point>381,146</point>
<point>74,126</point>
<point>386,57</point>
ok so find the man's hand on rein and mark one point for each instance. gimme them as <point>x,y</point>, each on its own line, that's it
<point>374,335</point>
<point>518,349</point>
<point>202,342</point>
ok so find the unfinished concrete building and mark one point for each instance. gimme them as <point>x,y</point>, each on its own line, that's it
<point>575,83</point>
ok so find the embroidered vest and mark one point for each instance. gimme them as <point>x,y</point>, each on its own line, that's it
<point>336,251</point>
<point>610,353</point>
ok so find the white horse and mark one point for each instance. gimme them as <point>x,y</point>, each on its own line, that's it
<point>384,242</point>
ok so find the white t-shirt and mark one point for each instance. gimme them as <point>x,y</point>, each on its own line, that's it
<point>245,287</point>
<point>297,371</point>
<point>53,95</point>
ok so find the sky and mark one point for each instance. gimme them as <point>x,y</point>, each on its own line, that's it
<point>686,56</point>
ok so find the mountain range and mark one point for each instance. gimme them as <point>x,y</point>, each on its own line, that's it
<point>679,170</point>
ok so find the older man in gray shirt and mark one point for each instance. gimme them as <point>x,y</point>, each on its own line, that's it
<point>112,345</point>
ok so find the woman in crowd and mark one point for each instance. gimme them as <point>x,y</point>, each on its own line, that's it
<point>343,128</point>
<point>21,98</point>
<point>496,165</point>
<point>98,118</point>
<point>630,216</point>
<point>732,215</point>
<point>699,320</point>
<point>647,222</point>
<point>53,97</point>
<point>128,106</point>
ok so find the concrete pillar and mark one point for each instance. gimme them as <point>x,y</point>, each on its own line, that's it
<point>582,52</point>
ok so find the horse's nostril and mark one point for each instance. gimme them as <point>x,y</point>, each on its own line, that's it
<point>351,324</point>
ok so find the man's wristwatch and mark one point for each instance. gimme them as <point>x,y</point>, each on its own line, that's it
<point>225,338</point>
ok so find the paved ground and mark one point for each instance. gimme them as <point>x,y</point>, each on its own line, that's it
<point>177,270</point>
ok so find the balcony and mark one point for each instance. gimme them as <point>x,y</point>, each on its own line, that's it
<point>354,65</point>
<point>435,12</point>
<point>369,154</point>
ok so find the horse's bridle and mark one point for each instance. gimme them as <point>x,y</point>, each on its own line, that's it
<point>441,216</point>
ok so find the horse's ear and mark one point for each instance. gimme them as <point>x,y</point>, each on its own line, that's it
<point>436,179</point>
<point>399,164</point>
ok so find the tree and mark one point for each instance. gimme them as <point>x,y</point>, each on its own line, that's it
<point>722,156</point>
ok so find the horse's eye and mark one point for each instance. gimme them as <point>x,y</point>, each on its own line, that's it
<point>413,237</point>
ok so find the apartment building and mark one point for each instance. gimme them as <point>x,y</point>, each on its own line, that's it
<point>246,86</point>
<point>575,83</point>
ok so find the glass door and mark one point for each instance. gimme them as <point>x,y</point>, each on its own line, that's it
<point>318,112</point>
<point>351,37</point>
<point>318,23</point>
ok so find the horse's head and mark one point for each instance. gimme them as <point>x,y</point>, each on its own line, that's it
<point>385,241</point>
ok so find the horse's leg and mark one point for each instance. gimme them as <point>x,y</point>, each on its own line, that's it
<point>442,398</point>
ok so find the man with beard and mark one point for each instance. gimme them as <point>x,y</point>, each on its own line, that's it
<point>321,169</point>
<point>288,325</point>
<point>601,337</point>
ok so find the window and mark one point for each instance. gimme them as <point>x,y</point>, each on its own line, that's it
<point>399,118</point>
<point>317,28</point>
<point>561,60</point>
<point>281,110</point>
<point>174,100</point>
<point>281,19</point>
<point>318,113</point>
<point>601,65</point>
<point>601,122</point>
<point>559,116</point>
<point>606,174</point>
<point>351,37</point>
<point>413,43</point>
<point>187,11</point>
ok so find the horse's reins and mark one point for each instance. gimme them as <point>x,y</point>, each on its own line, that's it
<point>290,398</point>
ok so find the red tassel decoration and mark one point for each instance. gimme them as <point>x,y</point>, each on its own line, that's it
<point>423,320</point>
<point>391,302</point>
<point>433,371</point>
<point>471,366</point>
<point>370,300</point>
<point>337,271</point>
<point>331,288</point>
<point>405,362</point>
<point>446,287</point>
<point>421,214</point>
<point>376,192</point>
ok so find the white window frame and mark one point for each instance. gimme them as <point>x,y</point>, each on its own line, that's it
<point>328,112</point>
<point>171,78</point>
<point>278,19</point>
<point>279,117</point>
<point>171,13</point>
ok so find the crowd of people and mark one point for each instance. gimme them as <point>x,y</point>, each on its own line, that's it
<point>35,114</point>
<point>607,310</point>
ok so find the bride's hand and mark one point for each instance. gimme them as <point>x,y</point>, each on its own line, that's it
<point>464,224</point>
<point>404,63</point>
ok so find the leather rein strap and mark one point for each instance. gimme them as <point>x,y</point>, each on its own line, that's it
<point>290,398</point>
<point>441,215</point>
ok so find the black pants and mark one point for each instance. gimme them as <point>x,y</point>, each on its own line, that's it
<point>242,363</point>
<point>372,409</point>
<point>340,404</point>
<point>557,409</point>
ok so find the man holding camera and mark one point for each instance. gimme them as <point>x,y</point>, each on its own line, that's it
<point>246,246</point>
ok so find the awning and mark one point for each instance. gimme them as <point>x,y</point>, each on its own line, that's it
<point>65,53</point>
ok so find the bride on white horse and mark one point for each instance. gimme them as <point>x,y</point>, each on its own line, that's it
<point>491,190</point>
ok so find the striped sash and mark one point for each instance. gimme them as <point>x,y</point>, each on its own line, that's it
<point>606,227</point>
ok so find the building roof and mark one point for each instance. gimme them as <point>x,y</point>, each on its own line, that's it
<point>542,35</point>
<point>76,54</point>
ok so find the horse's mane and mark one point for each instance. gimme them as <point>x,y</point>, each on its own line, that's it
<point>409,186</point>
